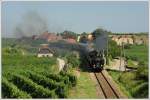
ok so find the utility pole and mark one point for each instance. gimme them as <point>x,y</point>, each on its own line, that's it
<point>120,56</point>
<point>107,62</point>
<point>124,57</point>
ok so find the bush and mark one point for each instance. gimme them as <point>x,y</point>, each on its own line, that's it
<point>9,90</point>
<point>142,73</point>
<point>73,60</point>
<point>62,91</point>
<point>113,49</point>
<point>55,77</point>
<point>72,79</point>
<point>140,91</point>
<point>127,46</point>
<point>34,89</point>
<point>42,80</point>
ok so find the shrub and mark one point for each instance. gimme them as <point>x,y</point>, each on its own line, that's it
<point>127,46</point>
<point>9,90</point>
<point>113,49</point>
<point>42,80</point>
<point>72,80</point>
<point>61,88</point>
<point>34,89</point>
<point>140,91</point>
<point>142,73</point>
<point>73,60</point>
<point>55,77</point>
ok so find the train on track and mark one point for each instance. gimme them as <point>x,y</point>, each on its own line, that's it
<point>95,47</point>
<point>95,60</point>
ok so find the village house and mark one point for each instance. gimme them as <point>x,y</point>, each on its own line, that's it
<point>44,51</point>
<point>70,40</point>
<point>50,37</point>
<point>53,37</point>
<point>139,40</point>
<point>122,39</point>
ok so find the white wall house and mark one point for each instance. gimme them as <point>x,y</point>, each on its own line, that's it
<point>45,52</point>
<point>121,40</point>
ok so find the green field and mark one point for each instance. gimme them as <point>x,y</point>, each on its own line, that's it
<point>138,52</point>
<point>24,75</point>
<point>85,88</point>
<point>131,84</point>
<point>134,83</point>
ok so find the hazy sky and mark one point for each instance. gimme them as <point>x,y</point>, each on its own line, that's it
<point>78,16</point>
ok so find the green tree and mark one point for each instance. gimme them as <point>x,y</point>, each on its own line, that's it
<point>113,49</point>
<point>69,34</point>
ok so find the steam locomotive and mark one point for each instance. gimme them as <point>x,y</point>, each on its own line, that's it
<point>95,60</point>
<point>94,48</point>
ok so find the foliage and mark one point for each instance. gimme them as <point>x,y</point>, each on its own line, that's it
<point>73,60</point>
<point>83,39</point>
<point>131,64</point>
<point>41,80</point>
<point>135,84</point>
<point>34,82</point>
<point>85,88</point>
<point>35,75</point>
<point>140,91</point>
<point>35,90</point>
<point>27,62</point>
<point>127,46</point>
<point>113,49</point>
<point>11,51</point>
<point>137,53</point>
<point>142,72</point>
<point>11,91</point>
<point>69,34</point>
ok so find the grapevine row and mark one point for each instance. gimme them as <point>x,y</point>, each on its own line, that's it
<point>11,91</point>
<point>61,89</point>
<point>35,90</point>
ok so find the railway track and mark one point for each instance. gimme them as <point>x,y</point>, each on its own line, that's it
<point>108,86</point>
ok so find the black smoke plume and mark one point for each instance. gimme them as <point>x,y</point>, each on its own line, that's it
<point>32,24</point>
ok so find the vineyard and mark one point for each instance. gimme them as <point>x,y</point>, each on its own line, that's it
<point>30,84</point>
<point>26,76</point>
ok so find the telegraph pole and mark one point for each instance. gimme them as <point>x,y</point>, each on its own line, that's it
<point>107,62</point>
<point>121,55</point>
<point>124,57</point>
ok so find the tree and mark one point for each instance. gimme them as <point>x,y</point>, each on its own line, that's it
<point>69,34</point>
<point>84,33</point>
<point>113,49</point>
<point>83,39</point>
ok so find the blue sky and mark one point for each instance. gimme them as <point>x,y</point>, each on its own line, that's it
<point>79,16</point>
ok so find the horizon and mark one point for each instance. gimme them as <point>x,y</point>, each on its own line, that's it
<point>76,16</point>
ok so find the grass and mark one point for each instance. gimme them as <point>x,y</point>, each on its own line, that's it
<point>84,89</point>
<point>13,62</point>
<point>131,64</point>
<point>115,75</point>
<point>130,85</point>
<point>138,51</point>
